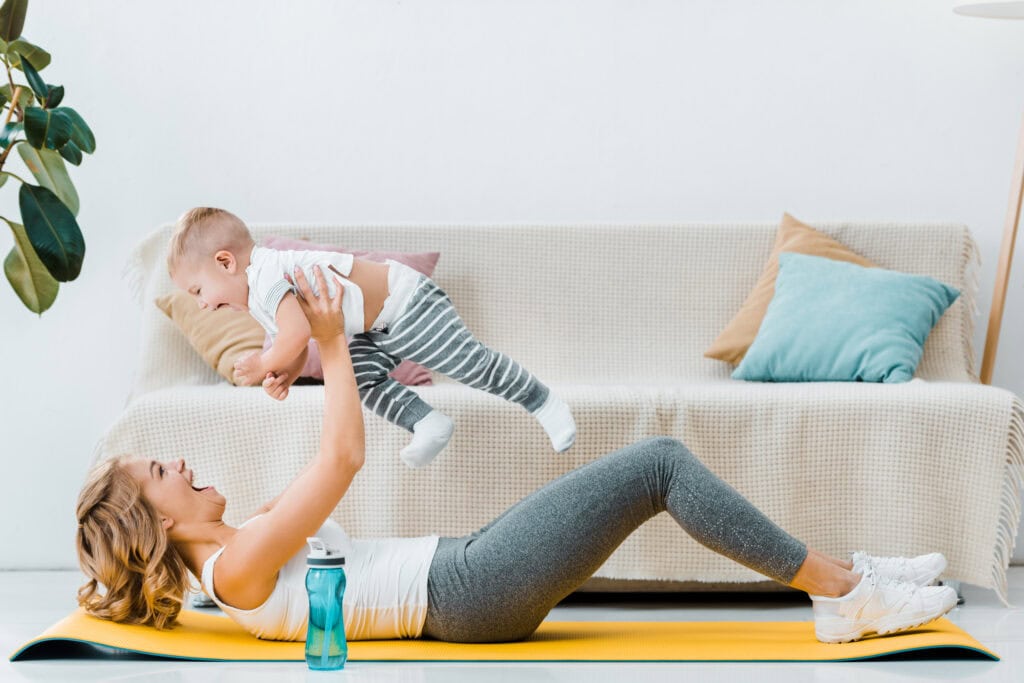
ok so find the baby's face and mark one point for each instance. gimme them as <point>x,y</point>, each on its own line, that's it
<point>216,282</point>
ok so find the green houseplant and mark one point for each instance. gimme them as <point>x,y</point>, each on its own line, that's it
<point>48,244</point>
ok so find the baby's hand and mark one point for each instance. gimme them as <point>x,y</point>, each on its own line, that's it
<point>248,369</point>
<point>276,386</point>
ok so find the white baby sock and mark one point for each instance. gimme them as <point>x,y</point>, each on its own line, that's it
<point>556,419</point>
<point>429,437</point>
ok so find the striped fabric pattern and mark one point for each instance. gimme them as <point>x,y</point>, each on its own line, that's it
<point>431,333</point>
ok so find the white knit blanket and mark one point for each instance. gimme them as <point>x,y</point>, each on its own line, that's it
<point>615,319</point>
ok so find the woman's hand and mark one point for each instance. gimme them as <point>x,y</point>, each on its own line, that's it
<point>326,320</point>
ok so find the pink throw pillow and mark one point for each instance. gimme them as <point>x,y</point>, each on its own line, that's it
<point>407,372</point>
<point>424,262</point>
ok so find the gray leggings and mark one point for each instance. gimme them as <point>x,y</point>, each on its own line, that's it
<point>499,583</point>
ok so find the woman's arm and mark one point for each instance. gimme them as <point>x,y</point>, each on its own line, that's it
<point>247,569</point>
<point>292,341</point>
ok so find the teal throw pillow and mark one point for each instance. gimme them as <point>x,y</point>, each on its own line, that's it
<point>831,321</point>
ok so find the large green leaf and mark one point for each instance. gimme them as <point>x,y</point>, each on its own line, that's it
<point>28,276</point>
<point>12,18</point>
<point>55,94</point>
<point>35,81</point>
<point>24,98</point>
<point>81,135</point>
<point>9,131</point>
<point>71,153</point>
<point>49,169</point>
<point>47,128</point>
<point>53,232</point>
<point>39,57</point>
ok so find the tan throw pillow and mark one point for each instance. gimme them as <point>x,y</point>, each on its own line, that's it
<point>220,337</point>
<point>793,236</point>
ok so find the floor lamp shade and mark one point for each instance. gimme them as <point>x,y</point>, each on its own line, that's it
<point>992,10</point>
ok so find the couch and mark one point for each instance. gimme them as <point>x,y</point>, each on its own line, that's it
<point>615,319</point>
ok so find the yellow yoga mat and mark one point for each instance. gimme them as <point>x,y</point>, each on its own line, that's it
<point>202,636</point>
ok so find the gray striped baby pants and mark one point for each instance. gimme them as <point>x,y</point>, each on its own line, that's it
<point>430,332</point>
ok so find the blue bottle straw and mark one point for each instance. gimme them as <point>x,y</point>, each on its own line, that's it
<point>328,624</point>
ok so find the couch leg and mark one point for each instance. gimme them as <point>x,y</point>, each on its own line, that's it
<point>955,585</point>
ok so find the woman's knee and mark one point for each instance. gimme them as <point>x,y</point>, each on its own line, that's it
<point>665,446</point>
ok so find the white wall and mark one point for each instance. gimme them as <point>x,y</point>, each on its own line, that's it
<point>476,111</point>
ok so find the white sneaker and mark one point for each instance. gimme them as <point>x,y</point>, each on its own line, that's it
<point>921,570</point>
<point>878,605</point>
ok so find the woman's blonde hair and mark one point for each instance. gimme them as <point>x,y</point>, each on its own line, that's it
<point>123,546</point>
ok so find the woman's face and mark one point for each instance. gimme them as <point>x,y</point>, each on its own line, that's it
<point>168,486</point>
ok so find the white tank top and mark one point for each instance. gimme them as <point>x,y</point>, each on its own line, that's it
<point>385,595</point>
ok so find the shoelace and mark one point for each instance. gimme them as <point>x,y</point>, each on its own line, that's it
<point>899,584</point>
<point>898,565</point>
<point>889,565</point>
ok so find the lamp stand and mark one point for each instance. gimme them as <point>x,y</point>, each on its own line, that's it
<point>995,315</point>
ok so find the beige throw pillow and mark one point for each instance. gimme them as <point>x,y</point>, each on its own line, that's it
<point>220,337</point>
<point>793,236</point>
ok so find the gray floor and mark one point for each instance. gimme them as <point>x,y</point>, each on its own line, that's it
<point>34,600</point>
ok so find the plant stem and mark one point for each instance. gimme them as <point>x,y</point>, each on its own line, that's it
<point>3,157</point>
<point>14,96</point>
<point>15,92</point>
<point>10,112</point>
<point>14,103</point>
<point>23,181</point>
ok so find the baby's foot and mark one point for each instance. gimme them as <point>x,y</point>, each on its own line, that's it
<point>429,437</point>
<point>555,418</point>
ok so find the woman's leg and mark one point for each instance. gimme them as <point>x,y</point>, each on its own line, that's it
<point>499,583</point>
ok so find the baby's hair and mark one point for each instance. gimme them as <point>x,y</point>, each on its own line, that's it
<point>203,231</point>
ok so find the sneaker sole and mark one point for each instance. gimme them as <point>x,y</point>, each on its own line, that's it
<point>882,628</point>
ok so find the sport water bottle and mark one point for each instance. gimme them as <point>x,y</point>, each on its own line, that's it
<point>326,647</point>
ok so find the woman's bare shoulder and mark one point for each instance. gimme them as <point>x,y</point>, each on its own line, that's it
<point>241,580</point>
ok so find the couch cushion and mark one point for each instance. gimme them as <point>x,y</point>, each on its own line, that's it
<point>793,236</point>
<point>219,337</point>
<point>840,322</point>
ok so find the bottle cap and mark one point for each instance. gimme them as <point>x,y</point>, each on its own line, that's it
<point>322,555</point>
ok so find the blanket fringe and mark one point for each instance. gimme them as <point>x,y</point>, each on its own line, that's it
<point>136,270</point>
<point>969,295</point>
<point>1009,505</point>
<point>134,274</point>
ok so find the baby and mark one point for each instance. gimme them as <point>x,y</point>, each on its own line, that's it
<point>392,313</point>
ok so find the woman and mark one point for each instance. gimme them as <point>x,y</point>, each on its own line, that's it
<point>143,528</point>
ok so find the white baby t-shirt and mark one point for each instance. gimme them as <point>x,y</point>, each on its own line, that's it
<point>267,285</point>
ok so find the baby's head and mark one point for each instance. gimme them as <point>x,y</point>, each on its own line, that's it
<point>208,255</point>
